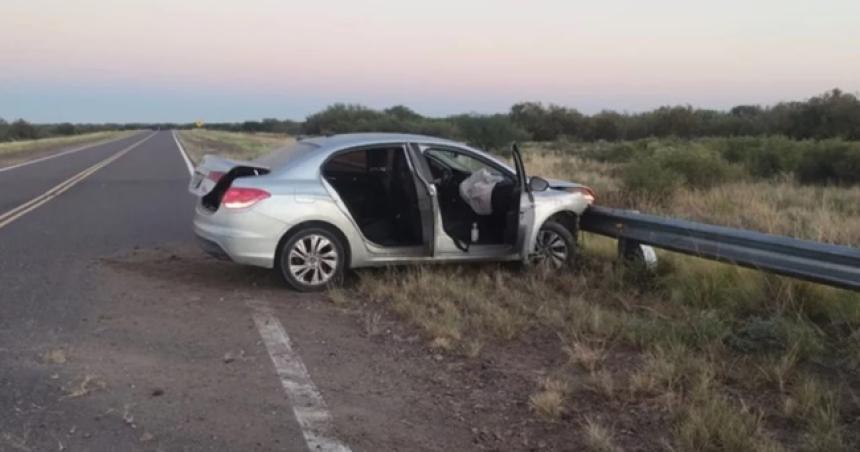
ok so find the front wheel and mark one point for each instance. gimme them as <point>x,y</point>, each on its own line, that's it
<point>555,246</point>
<point>312,260</point>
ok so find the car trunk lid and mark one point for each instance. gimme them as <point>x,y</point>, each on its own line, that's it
<point>214,175</point>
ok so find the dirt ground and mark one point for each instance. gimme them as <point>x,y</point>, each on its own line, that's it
<point>386,387</point>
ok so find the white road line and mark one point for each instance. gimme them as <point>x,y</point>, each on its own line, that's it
<point>23,209</point>
<point>59,154</point>
<point>307,402</point>
<point>184,155</point>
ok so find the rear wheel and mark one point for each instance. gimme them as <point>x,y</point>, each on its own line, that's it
<point>312,259</point>
<point>555,246</point>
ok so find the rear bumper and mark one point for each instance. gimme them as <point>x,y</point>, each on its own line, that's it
<point>243,236</point>
<point>212,248</point>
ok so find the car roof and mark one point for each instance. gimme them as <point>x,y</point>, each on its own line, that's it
<point>321,147</point>
<point>358,139</point>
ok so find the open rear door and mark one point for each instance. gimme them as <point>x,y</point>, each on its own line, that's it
<point>526,205</point>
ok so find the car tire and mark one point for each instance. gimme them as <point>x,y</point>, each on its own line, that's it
<point>555,246</point>
<point>312,259</point>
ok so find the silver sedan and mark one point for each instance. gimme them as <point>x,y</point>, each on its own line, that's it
<point>328,204</point>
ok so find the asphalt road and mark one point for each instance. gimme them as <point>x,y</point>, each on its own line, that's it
<point>71,373</point>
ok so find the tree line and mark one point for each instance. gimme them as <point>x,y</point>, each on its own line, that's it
<point>834,114</point>
<point>22,130</point>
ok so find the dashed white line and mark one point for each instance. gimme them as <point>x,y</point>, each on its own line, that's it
<point>60,154</point>
<point>307,402</point>
<point>183,153</point>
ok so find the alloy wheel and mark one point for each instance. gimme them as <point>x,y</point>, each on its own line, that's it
<point>313,260</point>
<point>551,249</point>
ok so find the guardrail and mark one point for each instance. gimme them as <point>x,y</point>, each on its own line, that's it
<point>812,261</point>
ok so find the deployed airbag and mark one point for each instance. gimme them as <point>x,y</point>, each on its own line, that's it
<point>477,190</point>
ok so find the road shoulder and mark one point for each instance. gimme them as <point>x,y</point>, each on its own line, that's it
<point>47,148</point>
<point>385,387</point>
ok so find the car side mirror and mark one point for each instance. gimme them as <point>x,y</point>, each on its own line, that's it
<point>538,184</point>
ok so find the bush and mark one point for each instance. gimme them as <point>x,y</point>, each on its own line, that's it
<point>22,130</point>
<point>775,157</point>
<point>490,132</point>
<point>618,152</point>
<point>646,176</point>
<point>657,173</point>
<point>699,166</point>
<point>762,157</point>
<point>831,161</point>
<point>65,129</point>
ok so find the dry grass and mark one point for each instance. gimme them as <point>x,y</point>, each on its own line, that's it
<point>694,324</point>
<point>828,214</point>
<point>711,421</point>
<point>590,357</point>
<point>600,176</point>
<point>234,145</point>
<point>778,370</point>
<point>339,297</point>
<point>598,437</point>
<point>549,402</point>
<point>811,403</point>
<point>22,149</point>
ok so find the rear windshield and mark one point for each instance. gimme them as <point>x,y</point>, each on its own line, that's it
<point>281,157</point>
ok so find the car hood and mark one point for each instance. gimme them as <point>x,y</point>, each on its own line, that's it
<point>557,183</point>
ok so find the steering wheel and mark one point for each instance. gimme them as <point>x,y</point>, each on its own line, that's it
<point>447,175</point>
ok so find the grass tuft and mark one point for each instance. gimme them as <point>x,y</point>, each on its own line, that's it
<point>548,403</point>
<point>598,438</point>
<point>711,421</point>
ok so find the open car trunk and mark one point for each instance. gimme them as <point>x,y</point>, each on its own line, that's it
<point>214,176</point>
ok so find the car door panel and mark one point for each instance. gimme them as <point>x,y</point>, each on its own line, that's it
<point>526,206</point>
<point>427,198</point>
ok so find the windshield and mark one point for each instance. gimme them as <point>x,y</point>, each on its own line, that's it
<point>281,157</point>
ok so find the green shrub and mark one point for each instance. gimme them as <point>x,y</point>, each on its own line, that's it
<point>618,152</point>
<point>762,157</point>
<point>736,149</point>
<point>830,162</point>
<point>767,162</point>
<point>647,177</point>
<point>699,166</point>
<point>490,132</point>
<point>22,130</point>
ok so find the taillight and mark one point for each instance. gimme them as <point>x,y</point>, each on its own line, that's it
<point>237,198</point>
<point>215,176</point>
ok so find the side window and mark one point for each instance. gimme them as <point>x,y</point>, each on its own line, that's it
<point>347,162</point>
<point>458,161</point>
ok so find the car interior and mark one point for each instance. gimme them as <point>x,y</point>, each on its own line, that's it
<point>378,188</point>
<point>449,169</point>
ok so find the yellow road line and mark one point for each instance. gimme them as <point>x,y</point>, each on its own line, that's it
<point>57,190</point>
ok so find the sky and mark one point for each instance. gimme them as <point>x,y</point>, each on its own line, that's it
<point>219,60</point>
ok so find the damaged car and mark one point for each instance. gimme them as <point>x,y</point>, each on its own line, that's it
<point>324,205</point>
